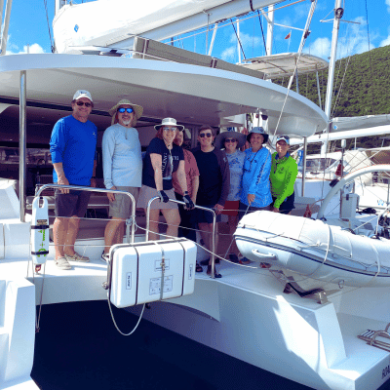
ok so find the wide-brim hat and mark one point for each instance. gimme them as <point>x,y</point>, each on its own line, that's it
<point>257,130</point>
<point>169,122</point>
<point>138,110</point>
<point>220,140</point>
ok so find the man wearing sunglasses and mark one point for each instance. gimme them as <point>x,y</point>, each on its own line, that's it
<point>122,168</point>
<point>72,148</point>
<point>214,183</point>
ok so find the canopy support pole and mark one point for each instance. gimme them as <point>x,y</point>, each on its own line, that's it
<point>22,145</point>
<point>213,39</point>
<point>304,166</point>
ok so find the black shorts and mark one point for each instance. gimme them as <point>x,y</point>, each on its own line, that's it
<point>287,205</point>
<point>74,203</point>
<point>203,216</point>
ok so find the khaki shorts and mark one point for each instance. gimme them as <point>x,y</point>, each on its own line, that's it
<point>121,206</point>
<point>148,193</point>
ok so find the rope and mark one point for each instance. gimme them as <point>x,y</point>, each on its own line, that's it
<point>115,324</point>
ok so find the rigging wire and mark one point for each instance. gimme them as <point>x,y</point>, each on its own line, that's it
<point>262,32</point>
<point>48,26</point>
<point>238,38</point>
<point>369,58</point>
<point>304,37</point>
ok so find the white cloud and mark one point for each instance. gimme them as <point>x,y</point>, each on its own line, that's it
<point>388,5</point>
<point>229,53</point>
<point>247,40</point>
<point>35,48</point>
<point>355,42</point>
<point>386,41</point>
<point>320,48</point>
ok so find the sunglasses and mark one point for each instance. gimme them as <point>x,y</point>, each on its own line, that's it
<point>166,128</point>
<point>128,110</point>
<point>227,140</point>
<point>208,135</point>
<point>80,104</point>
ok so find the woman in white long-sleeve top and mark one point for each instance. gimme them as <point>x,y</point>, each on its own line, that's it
<point>122,167</point>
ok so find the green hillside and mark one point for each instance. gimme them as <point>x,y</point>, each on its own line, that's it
<point>361,87</point>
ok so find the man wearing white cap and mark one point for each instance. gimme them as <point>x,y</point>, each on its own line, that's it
<point>122,167</point>
<point>72,148</point>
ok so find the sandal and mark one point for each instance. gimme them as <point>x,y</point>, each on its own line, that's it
<point>198,268</point>
<point>216,274</point>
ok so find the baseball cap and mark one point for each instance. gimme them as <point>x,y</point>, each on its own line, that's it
<point>82,93</point>
<point>284,138</point>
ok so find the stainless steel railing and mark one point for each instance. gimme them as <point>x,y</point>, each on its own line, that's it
<point>94,189</point>
<point>197,207</point>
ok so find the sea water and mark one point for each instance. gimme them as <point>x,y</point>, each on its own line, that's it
<point>78,347</point>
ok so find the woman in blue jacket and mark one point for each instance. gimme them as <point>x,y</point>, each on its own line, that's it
<point>255,187</point>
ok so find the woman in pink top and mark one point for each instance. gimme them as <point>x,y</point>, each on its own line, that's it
<point>188,218</point>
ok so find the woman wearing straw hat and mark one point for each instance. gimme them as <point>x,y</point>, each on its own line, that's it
<point>232,142</point>
<point>122,167</point>
<point>162,159</point>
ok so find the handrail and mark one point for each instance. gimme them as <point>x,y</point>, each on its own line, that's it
<point>95,189</point>
<point>348,178</point>
<point>197,207</point>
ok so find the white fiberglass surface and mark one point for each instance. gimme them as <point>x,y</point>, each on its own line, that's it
<point>187,92</point>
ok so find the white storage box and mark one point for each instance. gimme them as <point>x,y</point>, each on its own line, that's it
<point>349,204</point>
<point>137,271</point>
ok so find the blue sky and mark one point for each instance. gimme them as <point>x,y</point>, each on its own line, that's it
<point>29,26</point>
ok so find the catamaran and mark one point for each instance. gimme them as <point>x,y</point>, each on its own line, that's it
<point>312,329</point>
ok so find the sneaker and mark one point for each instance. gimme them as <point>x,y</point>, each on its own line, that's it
<point>244,261</point>
<point>105,257</point>
<point>77,257</point>
<point>62,263</point>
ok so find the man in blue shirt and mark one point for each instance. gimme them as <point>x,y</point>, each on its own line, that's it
<point>72,148</point>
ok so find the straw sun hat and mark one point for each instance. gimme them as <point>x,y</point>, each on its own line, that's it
<point>220,140</point>
<point>124,102</point>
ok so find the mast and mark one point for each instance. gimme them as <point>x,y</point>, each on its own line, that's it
<point>338,14</point>
<point>58,5</point>
<point>270,29</point>
<point>4,35</point>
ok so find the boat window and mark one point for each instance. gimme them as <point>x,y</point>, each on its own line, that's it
<point>319,164</point>
<point>38,156</point>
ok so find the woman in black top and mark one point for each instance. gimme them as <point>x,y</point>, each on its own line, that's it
<point>163,158</point>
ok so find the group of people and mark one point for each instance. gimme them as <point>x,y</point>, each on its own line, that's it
<point>230,181</point>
